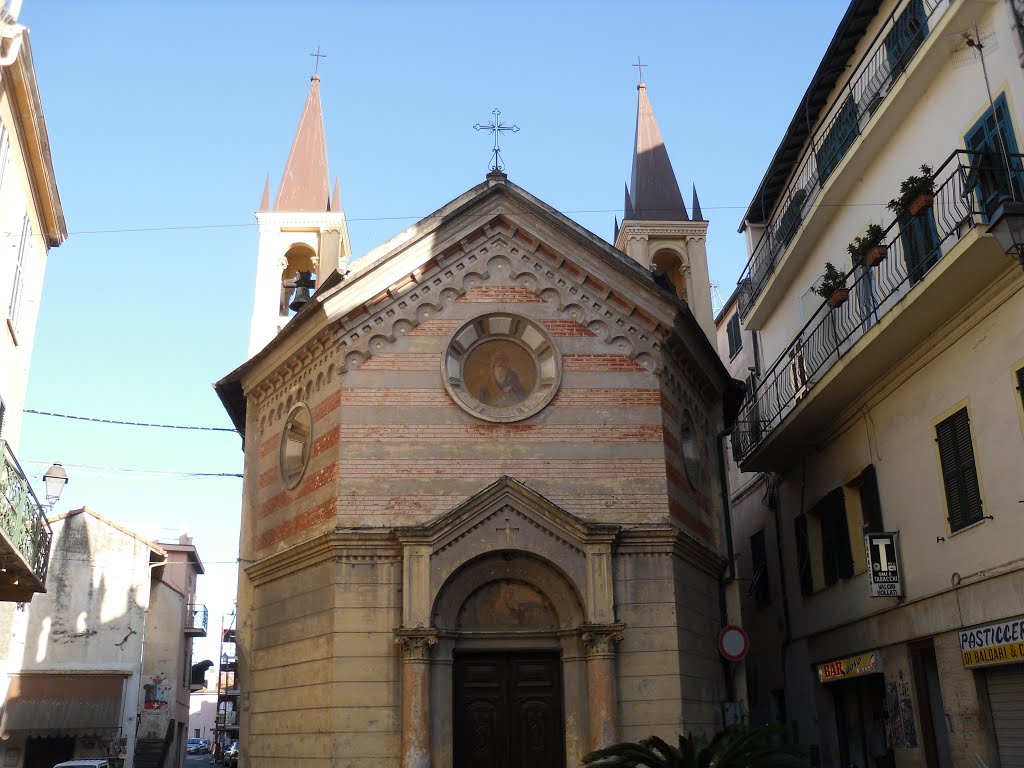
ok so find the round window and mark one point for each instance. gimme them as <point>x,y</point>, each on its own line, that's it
<point>296,442</point>
<point>501,367</point>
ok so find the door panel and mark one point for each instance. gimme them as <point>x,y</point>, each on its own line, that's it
<point>508,711</point>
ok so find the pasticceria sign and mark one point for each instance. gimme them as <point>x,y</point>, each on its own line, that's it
<point>999,643</point>
<point>867,663</point>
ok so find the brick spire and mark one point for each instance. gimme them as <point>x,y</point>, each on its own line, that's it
<point>305,185</point>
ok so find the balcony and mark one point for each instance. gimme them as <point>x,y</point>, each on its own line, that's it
<point>899,65</point>
<point>933,271</point>
<point>196,619</point>
<point>24,534</point>
<point>227,720</point>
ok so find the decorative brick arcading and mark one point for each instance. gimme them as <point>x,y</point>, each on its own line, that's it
<point>521,468</point>
<point>504,294</point>
<point>565,398</point>
<point>436,328</point>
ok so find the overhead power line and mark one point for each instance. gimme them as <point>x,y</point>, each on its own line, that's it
<point>128,423</point>
<point>137,470</point>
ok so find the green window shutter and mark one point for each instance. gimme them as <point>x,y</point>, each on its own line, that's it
<point>959,473</point>
<point>735,335</point>
<point>803,555</point>
<point>870,501</point>
<point>906,36</point>
<point>840,137</point>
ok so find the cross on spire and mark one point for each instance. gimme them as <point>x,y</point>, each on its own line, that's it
<point>640,69</point>
<point>318,56</point>
<point>496,127</point>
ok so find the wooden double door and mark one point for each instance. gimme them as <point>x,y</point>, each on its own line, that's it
<point>508,711</point>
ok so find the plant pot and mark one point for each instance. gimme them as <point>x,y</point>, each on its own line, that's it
<point>876,255</point>
<point>921,203</point>
<point>838,297</point>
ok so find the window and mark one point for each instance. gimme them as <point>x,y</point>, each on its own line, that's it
<point>838,139</point>
<point>19,274</point>
<point>790,220</point>
<point>986,141</point>
<point>760,586</point>
<point>735,335</point>
<point>1019,376</point>
<point>836,553</point>
<point>197,733</point>
<point>959,471</point>
<point>803,555</point>
<point>920,240</point>
<point>908,32</point>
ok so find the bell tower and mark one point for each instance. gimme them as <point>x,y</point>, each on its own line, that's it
<point>656,230</point>
<point>304,236</point>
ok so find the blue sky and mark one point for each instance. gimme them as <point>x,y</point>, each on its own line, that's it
<point>164,119</point>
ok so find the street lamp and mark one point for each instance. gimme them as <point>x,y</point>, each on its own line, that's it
<point>1008,227</point>
<point>55,478</point>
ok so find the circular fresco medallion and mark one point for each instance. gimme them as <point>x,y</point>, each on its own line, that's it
<point>501,367</point>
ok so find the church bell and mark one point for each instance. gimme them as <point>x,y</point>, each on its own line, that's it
<point>303,283</point>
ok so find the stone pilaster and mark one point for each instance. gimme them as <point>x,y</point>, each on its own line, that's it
<point>600,642</point>
<point>416,646</point>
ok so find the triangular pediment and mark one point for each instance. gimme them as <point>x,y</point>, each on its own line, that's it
<point>494,234</point>
<point>504,505</point>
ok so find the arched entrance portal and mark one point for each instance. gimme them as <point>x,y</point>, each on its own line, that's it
<point>511,672</point>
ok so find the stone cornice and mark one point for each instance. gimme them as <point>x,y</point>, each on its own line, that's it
<point>682,229</point>
<point>668,540</point>
<point>350,544</point>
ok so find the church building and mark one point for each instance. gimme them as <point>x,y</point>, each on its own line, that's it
<point>482,515</point>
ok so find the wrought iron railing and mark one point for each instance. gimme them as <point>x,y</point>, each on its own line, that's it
<point>21,515</point>
<point>969,186</point>
<point>227,719</point>
<point>197,618</point>
<point>887,57</point>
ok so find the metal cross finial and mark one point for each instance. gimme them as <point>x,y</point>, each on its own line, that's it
<point>640,69</point>
<point>497,128</point>
<point>318,56</point>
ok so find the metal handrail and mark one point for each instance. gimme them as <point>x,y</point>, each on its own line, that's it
<point>966,196</point>
<point>198,616</point>
<point>871,81</point>
<point>21,515</point>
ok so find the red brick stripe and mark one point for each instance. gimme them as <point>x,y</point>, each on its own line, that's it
<point>489,433</point>
<point>435,328</point>
<point>402,361</point>
<point>683,515</point>
<point>523,468</point>
<point>317,480</point>
<point>499,293</point>
<point>601,363</point>
<point>327,405</point>
<point>566,398</point>
<point>567,328</point>
<point>319,514</point>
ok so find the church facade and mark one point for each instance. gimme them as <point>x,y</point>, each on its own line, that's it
<point>481,519</point>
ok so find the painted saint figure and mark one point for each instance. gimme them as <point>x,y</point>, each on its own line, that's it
<point>502,386</point>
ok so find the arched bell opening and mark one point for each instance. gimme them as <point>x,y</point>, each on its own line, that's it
<point>510,664</point>
<point>298,278</point>
<point>672,264</point>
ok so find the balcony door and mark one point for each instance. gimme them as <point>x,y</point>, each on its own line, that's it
<point>996,175</point>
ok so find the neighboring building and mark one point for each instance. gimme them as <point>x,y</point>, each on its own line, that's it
<point>898,411</point>
<point>482,512</point>
<point>106,662</point>
<point>228,692</point>
<point>754,523</point>
<point>31,222</point>
<point>202,715</point>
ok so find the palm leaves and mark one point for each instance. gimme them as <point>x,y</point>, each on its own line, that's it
<point>733,747</point>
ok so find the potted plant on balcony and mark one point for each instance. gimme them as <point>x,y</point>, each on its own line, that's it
<point>868,248</point>
<point>917,193</point>
<point>833,286</point>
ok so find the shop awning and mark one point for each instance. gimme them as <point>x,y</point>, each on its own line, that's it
<point>49,704</point>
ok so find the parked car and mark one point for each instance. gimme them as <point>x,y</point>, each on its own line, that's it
<point>231,755</point>
<point>193,746</point>
<point>84,763</point>
<point>205,749</point>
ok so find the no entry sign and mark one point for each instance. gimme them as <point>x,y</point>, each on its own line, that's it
<point>733,643</point>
